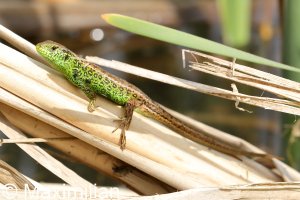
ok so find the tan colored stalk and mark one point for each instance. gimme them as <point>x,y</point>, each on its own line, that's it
<point>84,152</point>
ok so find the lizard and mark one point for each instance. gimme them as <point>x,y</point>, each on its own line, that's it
<point>93,81</point>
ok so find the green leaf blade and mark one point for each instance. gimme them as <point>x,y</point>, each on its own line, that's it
<point>176,37</point>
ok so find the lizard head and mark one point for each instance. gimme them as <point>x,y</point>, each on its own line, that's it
<point>56,54</point>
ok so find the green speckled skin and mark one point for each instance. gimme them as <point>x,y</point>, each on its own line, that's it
<point>95,81</point>
<point>90,78</point>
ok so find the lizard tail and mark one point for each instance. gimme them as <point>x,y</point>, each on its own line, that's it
<point>155,111</point>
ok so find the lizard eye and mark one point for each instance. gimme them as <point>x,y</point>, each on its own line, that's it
<point>53,48</point>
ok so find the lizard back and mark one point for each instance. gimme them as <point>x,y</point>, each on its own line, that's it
<point>87,76</point>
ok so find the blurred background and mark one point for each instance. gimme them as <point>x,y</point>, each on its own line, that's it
<point>266,28</point>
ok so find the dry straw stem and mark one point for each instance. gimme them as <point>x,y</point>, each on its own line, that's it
<point>43,157</point>
<point>85,153</point>
<point>19,43</point>
<point>9,175</point>
<point>264,191</point>
<point>151,147</point>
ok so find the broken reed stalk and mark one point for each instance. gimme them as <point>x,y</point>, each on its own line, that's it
<point>286,90</point>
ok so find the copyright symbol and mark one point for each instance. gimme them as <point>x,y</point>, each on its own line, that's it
<point>9,191</point>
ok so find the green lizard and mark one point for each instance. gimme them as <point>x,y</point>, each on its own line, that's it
<point>93,81</point>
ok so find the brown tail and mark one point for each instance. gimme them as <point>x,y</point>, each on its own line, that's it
<point>155,111</point>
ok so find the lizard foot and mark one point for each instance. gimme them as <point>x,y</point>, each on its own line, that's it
<point>124,122</point>
<point>123,125</point>
<point>91,106</point>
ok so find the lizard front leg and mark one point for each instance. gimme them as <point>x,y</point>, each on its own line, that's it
<point>125,121</point>
<point>84,85</point>
<point>92,99</point>
<point>91,106</point>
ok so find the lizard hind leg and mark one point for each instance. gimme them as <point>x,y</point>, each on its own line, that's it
<point>125,121</point>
